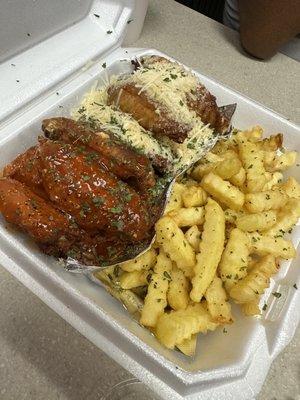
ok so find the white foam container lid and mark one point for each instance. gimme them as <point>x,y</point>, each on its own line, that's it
<point>53,74</point>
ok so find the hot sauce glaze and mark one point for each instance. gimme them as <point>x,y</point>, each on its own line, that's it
<point>79,183</point>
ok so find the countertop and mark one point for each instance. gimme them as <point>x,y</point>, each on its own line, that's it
<point>41,356</point>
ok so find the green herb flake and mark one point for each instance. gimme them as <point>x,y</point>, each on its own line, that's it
<point>264,307</point>
<point>86,178</point>
<point>167,275</point>
<point>116,210</point>
<point>104,65</point>
<point>97,15</point>
<point>224,330</point>
<point>98,201</point>
<point>109,32</point>
<point>276,294</point>
<point>295,286</point>
<point>129,21</point>
<point>118,224</point>
<point>167,79</point>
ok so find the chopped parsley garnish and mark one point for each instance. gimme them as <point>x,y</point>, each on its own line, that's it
<point>167,79</point>
<point>97,15</point>
<point>167,275</point>
<point>276,294</point>
<point>98,201</point>
<point>265,307</point>
<point>181,102</point>
<point>224,330</point>
<point>173,76</point>
<point>116,210</point>
<point>86,178</point>
<point>104,65</point>
<point>129,21</point>
<point>109,32</point>
<point>295,286</point>
<point>118,224</point>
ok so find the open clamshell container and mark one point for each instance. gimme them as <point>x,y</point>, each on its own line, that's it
<point>48,77</point>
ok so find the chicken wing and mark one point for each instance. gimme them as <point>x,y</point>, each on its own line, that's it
<point>119,159</point>
<point>53,231</point>
<point>26,169</point>
<point>97,199</point>
<point>163,97</point>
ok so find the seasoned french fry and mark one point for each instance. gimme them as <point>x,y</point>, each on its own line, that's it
<point>229,167</point>
<point>264,201</point>
<point>156,298</point>
<point>291,187</point>
<point>142,262</point>
<point>193,235</point>
<point>251,309</point>
<point>272,143</point>
<point>175,201</point>
<point>285,161</point>
<point>130,280</point>
<point>211,248</point>
<point>194,196</point>
<point>253,161</point>
<point>269,159</point>
<point>286,219</point>
<point>219,308</point>
<point>178,293</point>
<point>188,346</point>
<point>254,284</point>
<point>272,180</point>
<point>173,328</point>
<point>239,178</point>
<point>223,191</point>
<point>205,167</point>
<point>188,216</point>
<point>256,222</point>
<point>130,300</point>
<point>233,265</point>
<point>231,216</point>
<point>264,245</point>
<point>253,135</point>
<point>174,243</point>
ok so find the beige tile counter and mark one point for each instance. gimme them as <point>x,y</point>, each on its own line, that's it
<point>41,356</point>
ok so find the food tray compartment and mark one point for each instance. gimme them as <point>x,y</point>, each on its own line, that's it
<point>225,361</point>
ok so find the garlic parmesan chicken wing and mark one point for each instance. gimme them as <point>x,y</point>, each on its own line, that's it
<point>77,182</point>
<point>53,231</point>
<point>119,159</point>
<point>166,99</point>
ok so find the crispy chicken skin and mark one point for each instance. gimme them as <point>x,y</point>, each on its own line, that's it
<point>38,218</point>
<point>97,199</point>
<point>120,160</point>
<point>132,100</point>
<point>26,168</point>
<point>129,99</point>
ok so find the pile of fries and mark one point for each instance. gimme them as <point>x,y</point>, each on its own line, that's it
<point>220,239</point>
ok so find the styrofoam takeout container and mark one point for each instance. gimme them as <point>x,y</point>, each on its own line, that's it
<point>53,75</point>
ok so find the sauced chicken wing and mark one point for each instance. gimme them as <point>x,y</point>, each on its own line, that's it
<point>120,160</point>
<point>26,168</point>
<point>55,233</point>
<point>97,199</point>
